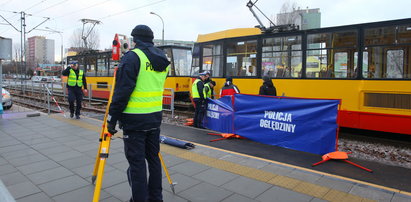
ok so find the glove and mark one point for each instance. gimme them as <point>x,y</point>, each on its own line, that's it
<point>111,127</point>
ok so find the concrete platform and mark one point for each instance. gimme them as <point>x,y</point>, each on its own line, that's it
<point>50,158</point>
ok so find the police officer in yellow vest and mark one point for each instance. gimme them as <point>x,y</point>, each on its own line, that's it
<point>199,98</point>
<point>137,105</point>
<point>76,80</point>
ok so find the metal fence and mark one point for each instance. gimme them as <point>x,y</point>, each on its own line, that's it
<point>47,91</point>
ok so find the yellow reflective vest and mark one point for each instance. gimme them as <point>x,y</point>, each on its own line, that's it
<point>147,96</point>
<point>72,78</point>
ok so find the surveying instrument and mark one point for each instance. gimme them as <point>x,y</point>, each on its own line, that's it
<point>104,148</point>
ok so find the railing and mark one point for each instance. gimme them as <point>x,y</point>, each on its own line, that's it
<point>47,90</point>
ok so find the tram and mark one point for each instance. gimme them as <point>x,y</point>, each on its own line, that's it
<point>367,66</point>
<point>99,69</point>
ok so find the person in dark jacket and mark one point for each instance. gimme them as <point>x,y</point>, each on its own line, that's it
<point>229,88</point>
<point>76,80</point>
<point>268,87</point>
<point>199,98</point>
<point>137,105</point>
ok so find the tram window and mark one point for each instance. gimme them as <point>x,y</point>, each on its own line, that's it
<point>212,60</point>
<point>404,34</point>
<point>102,69</point>
<point>281,57</point>
<point>379,36</point>
<point>241,58</point>
<point>395,64</point>
<point>181,60</point>
<point>325,49</point>
<point>340,64</point>
<point>195,64</point>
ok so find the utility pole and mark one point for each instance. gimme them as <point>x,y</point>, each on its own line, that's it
<point>23,38</point>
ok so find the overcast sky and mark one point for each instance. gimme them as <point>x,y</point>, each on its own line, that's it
<point>183,19</point>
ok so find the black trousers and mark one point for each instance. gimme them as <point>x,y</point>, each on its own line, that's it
<point>199,112</point>
<point>140,146</point>
<point>75,94</point>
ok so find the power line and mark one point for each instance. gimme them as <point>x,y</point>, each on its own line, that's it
<point>126,11</point>
<point>34,5</point>
<point>94,5</point>
<point>54,5</point>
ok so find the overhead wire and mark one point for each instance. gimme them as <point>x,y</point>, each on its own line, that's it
<point>126,11</point>
<point>54,5</point>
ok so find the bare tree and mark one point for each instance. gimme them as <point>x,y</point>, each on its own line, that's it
<point>93,40</point>
<point>287,14</point>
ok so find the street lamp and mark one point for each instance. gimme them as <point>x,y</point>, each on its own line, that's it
<point>61,36</point>
<point>162,42</point>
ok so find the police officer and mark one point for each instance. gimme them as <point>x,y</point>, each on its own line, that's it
<point>197,90</point>
<point>137,105</point>
<point>209,89</point>
<point>75,82</point>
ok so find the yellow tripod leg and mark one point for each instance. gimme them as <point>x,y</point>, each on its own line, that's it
<point>103,150</point>
<point>167,174</point>
<point>105,147</point>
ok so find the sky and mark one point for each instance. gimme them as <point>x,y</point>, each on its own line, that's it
<point>183,19</point>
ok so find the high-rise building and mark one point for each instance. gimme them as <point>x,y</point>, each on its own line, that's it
<point>304,18</point>
<point>39,51</point>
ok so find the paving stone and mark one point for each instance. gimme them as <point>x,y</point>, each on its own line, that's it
<point>17,154</point>
<point>371,193</point>
<point>113,177</point>
<point>77,162</point>
<point>63,185</point>
<point>215,176</point>
<point>55,150</point>
<point>209,152</point>
<point>122,166</point>
<point>281,194</point>
<point>39,197</point>
<point>304,175</point>
<point>401,198</point>
<point>168,196</point>
<point>20,161</point>
<point>205,192</point>
<point>3,161</point>
<point>12,148</point>
<point>23,189</point>
<point>238,198</point>
<point>46,145</point>
<point>334,183</point>
<point>171,160</point>
<point>37,166</point>
<point>49,175</point>
<point>83,194</point>
<point>65,155</point>
<point>111,199</point>
<point>183,182</point>
<point>247,187</point>
<point>39,140</point>
<point>87,147</point>
<point>6,169</point>
<point>87,170</point>
<point>13,178</point>
<point>190,168</point>
<point>317,200</point>
<point>121,191</point>
<point>114,158</point>
<point>278,169</point>
<point>11,142</point>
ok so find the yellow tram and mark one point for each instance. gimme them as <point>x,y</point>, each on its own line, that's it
<point>367,66</point>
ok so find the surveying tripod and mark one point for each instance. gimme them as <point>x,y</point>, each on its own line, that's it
<point>104,148</point>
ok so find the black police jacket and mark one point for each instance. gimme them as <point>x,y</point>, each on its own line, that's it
<point>127,75</point>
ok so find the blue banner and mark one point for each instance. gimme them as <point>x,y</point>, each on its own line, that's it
<point>307,125</point>
<point>219,115</point>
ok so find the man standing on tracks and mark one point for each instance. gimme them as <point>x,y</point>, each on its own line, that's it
<point>199,98</point>
<point>76,80</point>
<point>137,105</point>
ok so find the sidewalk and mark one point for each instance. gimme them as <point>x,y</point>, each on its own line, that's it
<point>51,158</point>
